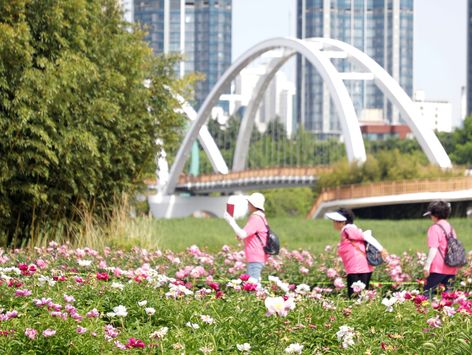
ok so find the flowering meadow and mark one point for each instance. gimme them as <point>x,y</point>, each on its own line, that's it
<point>58,300</point>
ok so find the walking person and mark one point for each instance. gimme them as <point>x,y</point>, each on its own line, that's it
<point>351,248</point>
<point>435,269</point>
<point>254,235</point>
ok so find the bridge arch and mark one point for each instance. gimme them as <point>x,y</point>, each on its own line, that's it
<point>311,49</point>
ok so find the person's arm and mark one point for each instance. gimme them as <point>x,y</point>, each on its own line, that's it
<point>429,260</point>
<point>241,233</point>
<point>369,238</point>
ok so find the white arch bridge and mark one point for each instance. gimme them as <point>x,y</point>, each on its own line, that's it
<point>319,52</point>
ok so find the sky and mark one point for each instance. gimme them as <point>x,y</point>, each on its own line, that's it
<point>440,41</point>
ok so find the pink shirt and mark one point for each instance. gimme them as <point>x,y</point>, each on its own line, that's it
<point>253,248</point>
<point>352,250</point>
<point>437,239</point>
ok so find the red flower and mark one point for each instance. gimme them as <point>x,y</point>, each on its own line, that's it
<point>103,276</point>
<point>23,267</point>
<point>213,285</point>
<point>135,343</point>
<point>219,294</point>
<point>244,277</point>
<point>249,286</point>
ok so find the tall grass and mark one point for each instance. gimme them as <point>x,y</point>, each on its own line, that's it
<point>118,230</point>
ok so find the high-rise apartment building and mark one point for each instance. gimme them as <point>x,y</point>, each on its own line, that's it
<point>469,60</point>
<point>198,29</point>
<point>383,29</point>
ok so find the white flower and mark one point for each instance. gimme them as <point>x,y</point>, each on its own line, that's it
<point>46,280</point>
<point>449,311</point>
<point>118,285</point>
<point>246,347</point>
<point>358,286</point>
<point>120,311</point>
<point>346,336</point>
<point>294,349</point>
<point>150,311</point>
<point>142,303</point>
<point>85,263</point>
<point>302,289</point>
<point>159,334</point>
<point>111,314</point>
<point>279,306</point>
<point>192,325</point>
<point>207,319</point>
<point>389,303</point>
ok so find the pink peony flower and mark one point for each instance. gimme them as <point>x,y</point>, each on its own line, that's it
<point>23,293</point>
<point>31,333</point>
<point>49,332</point>
<point>80,330</point>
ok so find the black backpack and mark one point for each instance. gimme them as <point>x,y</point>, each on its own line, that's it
<point>455,251</point>
<point>272,246</point>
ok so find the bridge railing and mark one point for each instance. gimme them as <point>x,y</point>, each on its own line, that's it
<point>254,173</point>
<point>390,188</point>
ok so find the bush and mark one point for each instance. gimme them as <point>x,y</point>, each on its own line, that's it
<point>288,202</point>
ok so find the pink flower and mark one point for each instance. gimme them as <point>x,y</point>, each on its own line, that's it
<point>434,322</point>
<point>338,283</point>
<point>49,332</point>
<point>31,333</point>
<point>93,313</point>
<point>41,263</point>
<point>23,293</point>
<point>69,299</point>
<point>80,330</point>
<point>331,273</point>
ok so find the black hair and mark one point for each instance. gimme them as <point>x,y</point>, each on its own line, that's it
<point>348,214</point>
<point>440,209</point>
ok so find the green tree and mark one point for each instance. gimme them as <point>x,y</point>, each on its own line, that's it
<point>462,143</point>
<point>77,124</point>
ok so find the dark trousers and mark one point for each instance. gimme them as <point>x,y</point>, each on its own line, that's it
<point>351,278</point>
<point>434,280</point>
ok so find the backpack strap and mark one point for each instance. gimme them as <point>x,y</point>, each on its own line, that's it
<point>447,238</point>
<point>352,243</point>
<point>267,226</point>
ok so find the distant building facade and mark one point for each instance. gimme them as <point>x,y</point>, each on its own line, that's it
<point>198,29</point>
<point>277,103</point>
<point>383,29</point>
<point>437,114</point>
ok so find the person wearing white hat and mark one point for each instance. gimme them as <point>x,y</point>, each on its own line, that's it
<point>254,235</point>
<point>351,248</point>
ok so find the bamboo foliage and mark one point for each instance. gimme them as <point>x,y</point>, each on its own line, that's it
<point>77,124</point>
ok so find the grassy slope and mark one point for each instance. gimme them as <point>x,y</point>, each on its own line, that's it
<point>294,233</point>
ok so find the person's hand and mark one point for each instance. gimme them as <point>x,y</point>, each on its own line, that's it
<point>426,273</point>
<point>228,218</point>
<point>384,254</point>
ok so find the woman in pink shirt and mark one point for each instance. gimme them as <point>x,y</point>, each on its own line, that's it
<point>351,248</point>
<point>435,269</point>
<point>254,235</point>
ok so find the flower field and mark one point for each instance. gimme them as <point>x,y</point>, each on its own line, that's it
<point>59,300</point>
